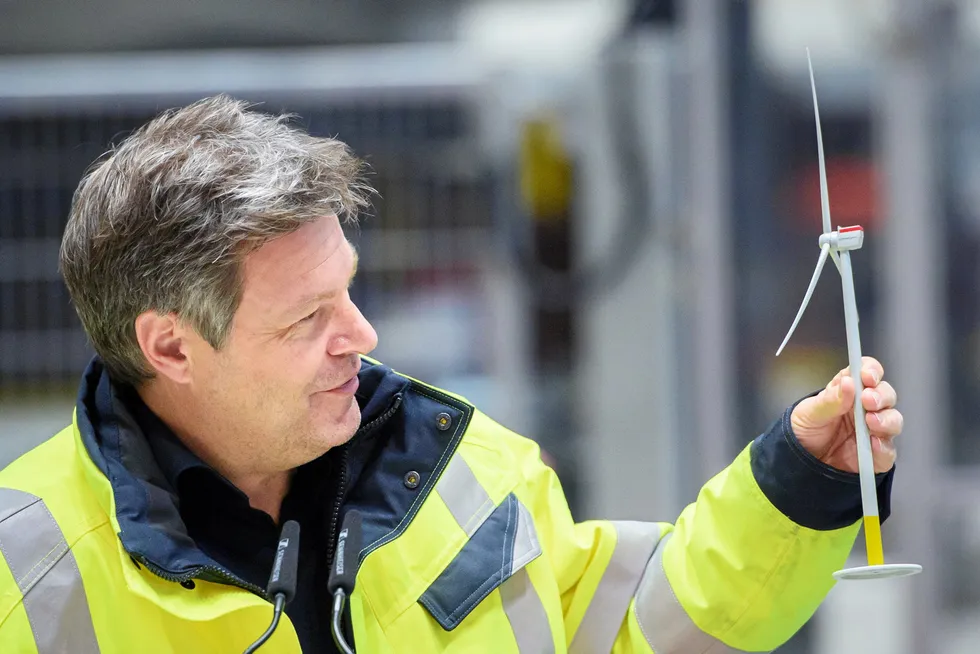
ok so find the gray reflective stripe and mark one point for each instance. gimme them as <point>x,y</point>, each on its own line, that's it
<point>635,542</point>
<point>463,494</point>
<point>526,545</point>
<point>523,606</point>
<point>667,626</point>
<point>527,616</point>
<point>46,574</point>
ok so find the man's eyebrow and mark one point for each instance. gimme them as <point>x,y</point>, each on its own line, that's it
<point>329,295</point>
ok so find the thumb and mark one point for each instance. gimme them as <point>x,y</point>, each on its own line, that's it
<point>832,402</point>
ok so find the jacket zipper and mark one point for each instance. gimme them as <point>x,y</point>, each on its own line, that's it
<point>342,482</point>
<point>232,579</point>
<point>217,571</point>
<point>337,502</point>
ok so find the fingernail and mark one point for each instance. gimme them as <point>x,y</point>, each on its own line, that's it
<point>877,399</point>
<point>875,376</point>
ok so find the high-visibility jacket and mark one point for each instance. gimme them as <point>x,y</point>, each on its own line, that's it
<point>481,555</point>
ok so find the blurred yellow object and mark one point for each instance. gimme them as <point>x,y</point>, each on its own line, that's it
<point>545,170</point>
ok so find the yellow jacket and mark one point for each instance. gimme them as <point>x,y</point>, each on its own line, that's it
<point>481,556</point>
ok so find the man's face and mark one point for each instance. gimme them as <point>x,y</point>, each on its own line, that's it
<point>283,385</point>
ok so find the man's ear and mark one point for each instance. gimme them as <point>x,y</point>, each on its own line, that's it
<point>162,339</point>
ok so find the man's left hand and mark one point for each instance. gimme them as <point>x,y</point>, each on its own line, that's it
<point>824,423</point>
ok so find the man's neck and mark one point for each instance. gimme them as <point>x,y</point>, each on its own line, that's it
<point>265,492</point>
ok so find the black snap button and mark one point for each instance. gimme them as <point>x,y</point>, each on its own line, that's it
<point>444,421</point>
<point>189,584</point>
<point>412,479</point>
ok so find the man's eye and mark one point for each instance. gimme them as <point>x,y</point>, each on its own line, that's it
<point>310,317</point>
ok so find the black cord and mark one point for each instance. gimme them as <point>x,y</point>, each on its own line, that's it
<point>276,614</point>
<point>335,627</point>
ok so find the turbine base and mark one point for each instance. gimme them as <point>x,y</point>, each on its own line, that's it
<point>885,571</point>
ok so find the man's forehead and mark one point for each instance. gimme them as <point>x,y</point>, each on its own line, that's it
<point>300,264</point>
<point>306,246</point>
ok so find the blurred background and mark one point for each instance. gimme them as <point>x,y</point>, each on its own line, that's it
<point>597,219</point>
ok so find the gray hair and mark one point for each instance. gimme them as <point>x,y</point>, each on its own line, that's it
<point>163,221</point>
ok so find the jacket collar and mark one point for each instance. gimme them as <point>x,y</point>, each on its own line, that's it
<point>133,490</point>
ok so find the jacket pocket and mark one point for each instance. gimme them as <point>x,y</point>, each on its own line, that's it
<point>504,543</point>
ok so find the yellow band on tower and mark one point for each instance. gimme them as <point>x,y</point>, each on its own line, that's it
<point>872,539</point>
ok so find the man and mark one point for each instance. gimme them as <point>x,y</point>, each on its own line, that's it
<point>207,261</point>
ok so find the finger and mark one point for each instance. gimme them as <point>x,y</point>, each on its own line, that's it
<point>817,410</point>
<point>845,391</point>
<point>880,397</point>
<point>885,424</point>
<point>834,383</point>
<point>837,397</point>
<point>872,372</point>
<point>884,454</point>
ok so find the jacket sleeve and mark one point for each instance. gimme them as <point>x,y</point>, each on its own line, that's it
<point>741,569</point>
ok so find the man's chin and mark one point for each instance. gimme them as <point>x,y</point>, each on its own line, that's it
<point>341,430</point>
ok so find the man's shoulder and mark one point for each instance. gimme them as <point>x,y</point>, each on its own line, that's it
<point>486,432</point>
<point>498,451</point>
<point>46,511</point>
<point>45,497</point>
<point>481,429</point>
<point>43,459</point>
<point>52,477</point>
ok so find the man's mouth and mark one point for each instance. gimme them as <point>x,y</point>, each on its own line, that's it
<point>349,387</point>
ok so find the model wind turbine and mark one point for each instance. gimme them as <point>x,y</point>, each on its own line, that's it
<point>838,245</point>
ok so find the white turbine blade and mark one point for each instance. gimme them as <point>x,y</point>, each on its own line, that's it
<point>809,292</point>
<point>836,259</point>
<point>824,195</point>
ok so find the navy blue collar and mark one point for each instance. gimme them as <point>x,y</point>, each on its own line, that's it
<point>404,427</point>
<point>170,453</point>
<point>374,395</point>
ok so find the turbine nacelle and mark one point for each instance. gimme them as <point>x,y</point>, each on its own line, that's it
<point>845,238</point>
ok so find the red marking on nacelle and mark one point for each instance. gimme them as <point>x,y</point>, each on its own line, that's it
<point>852,228</point>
